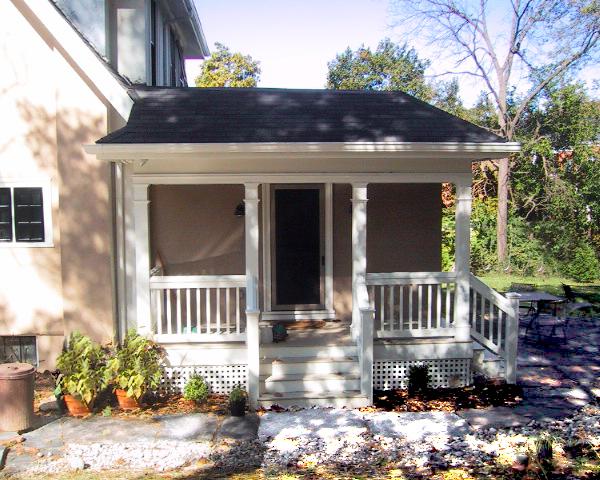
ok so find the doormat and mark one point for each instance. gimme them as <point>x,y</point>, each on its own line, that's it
<point>306,325</point>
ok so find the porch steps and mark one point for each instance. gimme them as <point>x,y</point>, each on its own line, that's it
<point>314,384</point>
<point>348,399</point>
<point>309,375</point>
<point>278,367</point>
<point>486,362</point>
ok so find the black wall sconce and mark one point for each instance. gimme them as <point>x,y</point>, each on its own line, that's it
<point>240,210</point>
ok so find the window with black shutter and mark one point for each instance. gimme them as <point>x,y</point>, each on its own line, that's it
<point>24,218</point>
<point>6,227</point>
<point>29,214</point>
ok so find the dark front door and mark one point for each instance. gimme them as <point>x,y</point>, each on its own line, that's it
<point>297,247</point>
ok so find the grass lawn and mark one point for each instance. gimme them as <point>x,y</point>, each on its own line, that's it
<point>553,285</point>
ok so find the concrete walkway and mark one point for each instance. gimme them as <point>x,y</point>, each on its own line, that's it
<point>162,443</point>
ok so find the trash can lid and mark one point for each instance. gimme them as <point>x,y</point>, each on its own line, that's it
<point>13,371</point>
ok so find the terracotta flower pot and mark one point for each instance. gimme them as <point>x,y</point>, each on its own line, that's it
<point>125,402</point>
<point>76,407</point>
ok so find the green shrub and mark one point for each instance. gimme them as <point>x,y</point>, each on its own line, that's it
<point>584,265</point>
<point>237,396</point>
<point>543,451</point>
<point>196,389</point>
<point>135,366</point>
<point>82,366</point>
<point>418,379</point>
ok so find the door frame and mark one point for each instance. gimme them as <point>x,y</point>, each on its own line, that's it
<point>293,314</point>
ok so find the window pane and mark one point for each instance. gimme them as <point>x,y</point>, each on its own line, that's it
<point>5,215</point>
<point>29,215</point>
<point>18,349</point>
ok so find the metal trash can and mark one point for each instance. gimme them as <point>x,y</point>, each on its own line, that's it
<point>16,396</point>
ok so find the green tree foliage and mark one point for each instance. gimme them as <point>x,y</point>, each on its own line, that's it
<point>228,69</point>
<point>556,178</point>
<point>389,67</point>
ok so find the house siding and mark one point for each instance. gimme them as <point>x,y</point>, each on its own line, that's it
<point>49,112</point>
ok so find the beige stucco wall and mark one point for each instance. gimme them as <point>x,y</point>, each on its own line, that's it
<point>194,229</point>
<point>403,234</point>
<point>48,111</point>
<point>403,231</point>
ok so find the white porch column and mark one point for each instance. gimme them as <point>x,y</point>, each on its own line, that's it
<point>462,261</point>
<point>142,259</point>
<point>252,307</point>
<point>359,252</point>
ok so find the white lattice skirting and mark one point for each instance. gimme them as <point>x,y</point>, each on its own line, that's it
<point>221,378</point>
<point>453,372</point>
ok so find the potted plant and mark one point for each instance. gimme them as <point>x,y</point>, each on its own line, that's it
<point>196,389</point>
<point>134,368</point>
<point>237,401</point>
<point>81,365</point>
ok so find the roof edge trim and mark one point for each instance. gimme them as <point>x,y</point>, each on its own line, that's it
<point>141,151</point>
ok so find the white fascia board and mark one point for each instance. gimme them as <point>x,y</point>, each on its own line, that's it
<point>449,150</point>
<point>81,54</point>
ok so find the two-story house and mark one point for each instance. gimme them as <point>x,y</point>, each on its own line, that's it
<point>207,218</point>
<point>66,68</point>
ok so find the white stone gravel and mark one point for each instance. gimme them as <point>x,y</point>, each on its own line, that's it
<point>161,455</point>
<point>345,440</point>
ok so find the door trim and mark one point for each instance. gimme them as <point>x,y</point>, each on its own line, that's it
<point>327,312</point>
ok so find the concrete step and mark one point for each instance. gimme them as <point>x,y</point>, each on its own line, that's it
<point>486,362</point>
<point>312,384</point>
<point>348,398</point>
<point>305,365</point>
<point>273,351</point>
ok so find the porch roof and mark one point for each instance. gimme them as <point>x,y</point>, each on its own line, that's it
<point>264,115</point>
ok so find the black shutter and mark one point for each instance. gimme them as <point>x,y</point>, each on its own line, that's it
<point>29,215</point>
<point>6,234</point>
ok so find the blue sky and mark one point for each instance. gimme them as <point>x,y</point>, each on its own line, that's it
<point>294,39</point>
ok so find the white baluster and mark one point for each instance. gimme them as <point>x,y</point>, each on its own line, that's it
<point>169,327</point>
<point>178,296</point>
<point>188,315</point>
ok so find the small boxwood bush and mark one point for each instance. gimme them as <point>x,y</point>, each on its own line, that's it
<point>196,389</point>
<point>418,379</point>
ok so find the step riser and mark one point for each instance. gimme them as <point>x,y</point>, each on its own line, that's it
<point>338,402</point>
<point>280,369</point>
<point>329,352</point>
<point>312,386</point>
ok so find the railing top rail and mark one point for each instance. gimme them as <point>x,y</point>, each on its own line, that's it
<point>399,278</point>
<point>500,300</point>
<point>197,281</point>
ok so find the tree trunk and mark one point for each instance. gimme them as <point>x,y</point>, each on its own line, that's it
<point>502,221</point>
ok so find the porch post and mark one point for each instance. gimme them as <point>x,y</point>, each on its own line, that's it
<point>359,252</point>
<point>252,307</point>
<point>142,259</point>
<point>462,261</point>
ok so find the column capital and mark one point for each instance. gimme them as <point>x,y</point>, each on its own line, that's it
<point>359,193</point>
<point>250,192</point>
<point>140,192</point>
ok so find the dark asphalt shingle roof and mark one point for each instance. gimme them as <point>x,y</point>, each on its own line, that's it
<point>255,115</point>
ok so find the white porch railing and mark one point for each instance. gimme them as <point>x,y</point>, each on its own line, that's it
<point>495,323</point>
<point>206,308</point>
<point>412,304</point>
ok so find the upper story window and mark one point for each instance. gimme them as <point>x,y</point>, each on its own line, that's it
<point>25,214</point>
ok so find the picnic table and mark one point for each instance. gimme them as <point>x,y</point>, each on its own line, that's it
<point>536,297</point>
<point>542,325</point>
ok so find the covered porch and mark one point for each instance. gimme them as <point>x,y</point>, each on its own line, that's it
<point>329,206</point>
<point>360,339</point>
